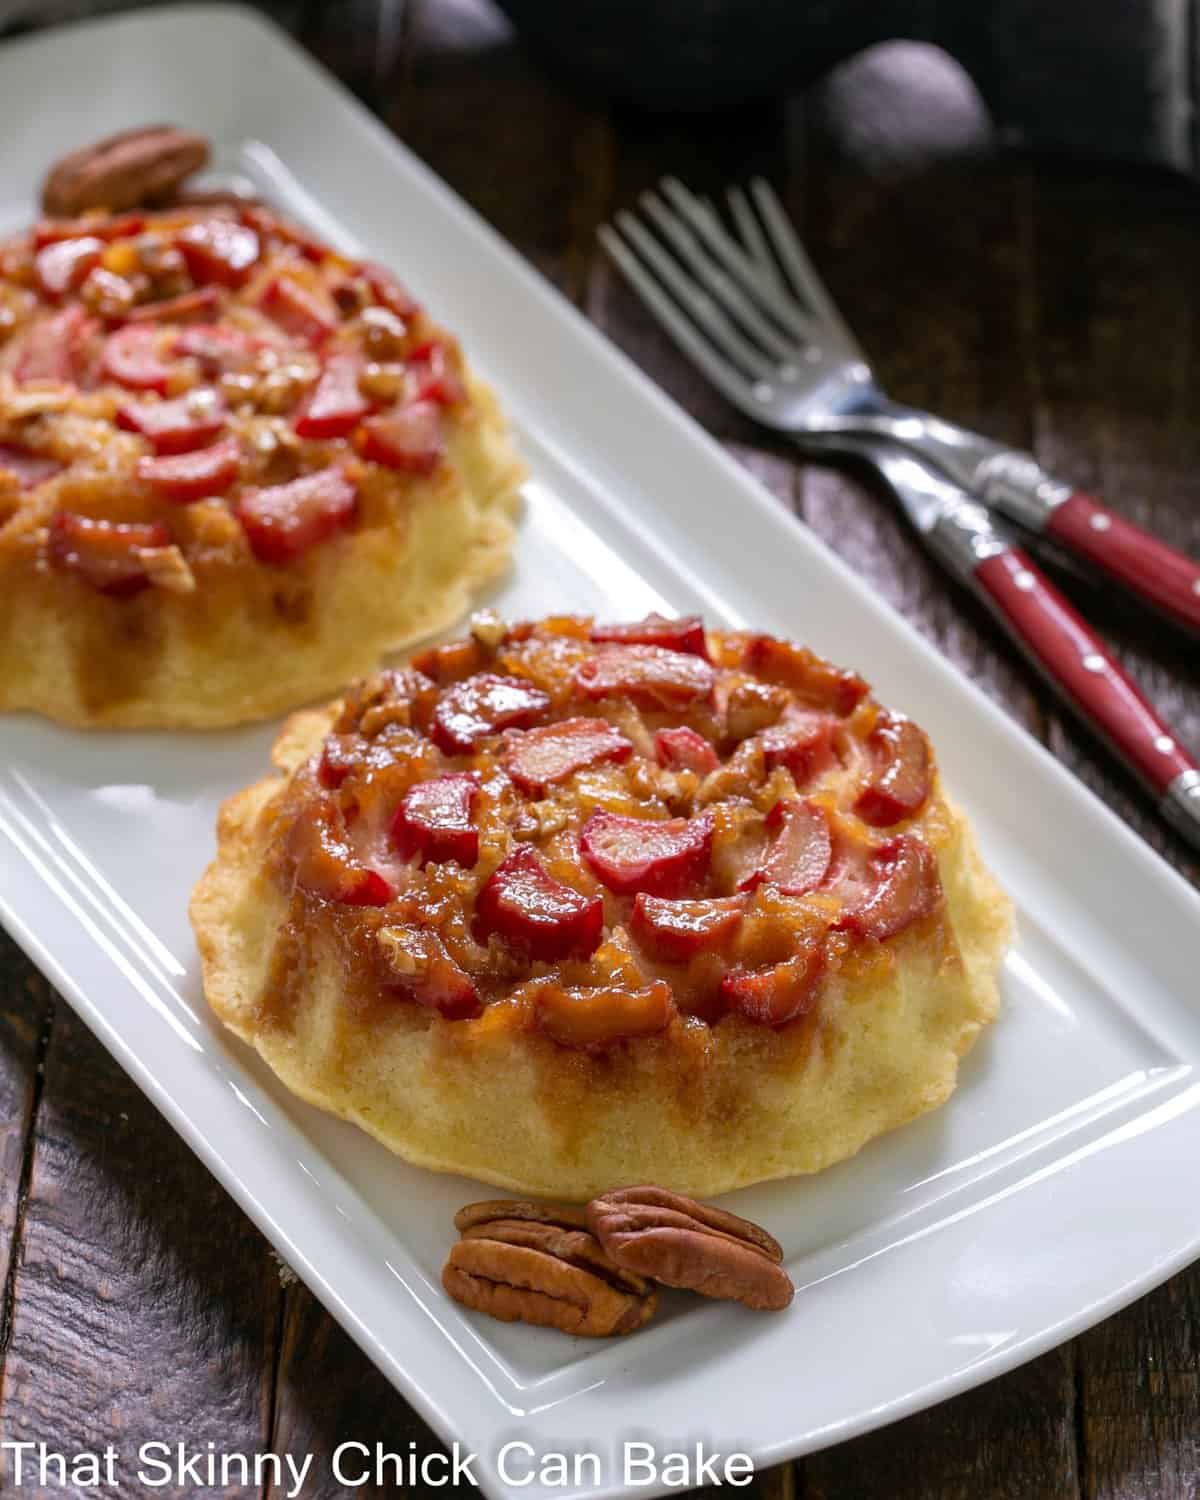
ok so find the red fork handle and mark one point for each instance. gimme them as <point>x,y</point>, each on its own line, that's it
<point>1158,574</point>
<point>1069,652</point>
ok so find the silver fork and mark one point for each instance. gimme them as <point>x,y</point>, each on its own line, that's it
<point>752,313</point>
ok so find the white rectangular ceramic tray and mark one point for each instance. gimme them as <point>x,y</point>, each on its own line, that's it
<point>1054,1188</point>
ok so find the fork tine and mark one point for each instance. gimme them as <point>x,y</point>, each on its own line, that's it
<point>697,301</point>
<point>752,237</point>
<point>797,264</point>
<point>718,282</point>
<point>780,304</point>
<point>723,375</point>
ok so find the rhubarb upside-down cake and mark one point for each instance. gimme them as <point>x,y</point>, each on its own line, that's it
<point>563,905</point>
<point>236,465</point>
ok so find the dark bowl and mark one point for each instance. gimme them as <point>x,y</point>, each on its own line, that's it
<point>695,54</point>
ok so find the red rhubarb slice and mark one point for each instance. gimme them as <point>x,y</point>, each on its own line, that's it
<point>798,857</point>
<point>902,774</point>
<point>62,266</point>
<point>540,758</point>
<point>888,888</point>
<point>30,469</point>
<point>646,675</point>
<point>221,251</point>
<point>433,378</point>
<point>175,426</point>
<point>217,346</point>
<point>433,821</point>
<point>482,705</point>
<point>105,554</point>
<point>814,680</point>
<point>282,521</point>
<point>677,930</point>
<point>596,1017</point>
<point>803,742</point>
<point>662,858</point>
<point>132,358</point>
<point>387,291</point>
<point>682,749</point>
<point>298,311</point>
<point>523,904</point>
<point>193,476</point>
<point>686,634</point>
<point>188,307</point>
<point>335,406</point>
<point>53,347</point>
<point>780,993</point>
<point>409,438</point>
<point>325,863</point>
<point>440,984</point>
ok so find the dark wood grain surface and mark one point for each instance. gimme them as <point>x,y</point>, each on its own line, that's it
<point>1051,306</point>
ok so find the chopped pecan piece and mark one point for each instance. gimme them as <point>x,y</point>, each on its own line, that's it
<point>523,1262</point>
<point>680,1242</point>
<point>123,171</point>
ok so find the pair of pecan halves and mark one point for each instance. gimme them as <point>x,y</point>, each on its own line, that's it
<point>538,1263</point>
<point>130,170</point>
<point>682,1243</point>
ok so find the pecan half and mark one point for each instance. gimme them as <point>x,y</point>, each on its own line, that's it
<point>123,171</point>
<point>535,1263</point>
<point>683,1243</point>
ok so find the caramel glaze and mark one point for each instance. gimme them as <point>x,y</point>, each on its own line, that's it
<point>382,744</point>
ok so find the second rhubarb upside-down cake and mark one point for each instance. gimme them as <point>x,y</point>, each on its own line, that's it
<point>236,466</point>
<point>562,906</point>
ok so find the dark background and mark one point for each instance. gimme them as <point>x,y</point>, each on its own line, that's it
<point>1047,300</point>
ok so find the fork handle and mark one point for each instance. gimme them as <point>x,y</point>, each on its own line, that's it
<point>1071,656</point>
<point>1164,578</point>
<point>1017,486</point>
<point>1076,661</point>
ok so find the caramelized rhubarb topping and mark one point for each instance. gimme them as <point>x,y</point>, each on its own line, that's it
<point>686,635</point>
<point>902,776</point>
<point>668,857</point>
<point>483,705</point>
<point>657,848</point>
<point>433,821</point>
<point>677,930</point>
<point>537,759</point>
<point>647,675</point>
<point>798,857</point>
<point>682,749</point>
<point>325,863</point>
<point>106,554</point>
<point>282,521</point>
<point>524,905</point>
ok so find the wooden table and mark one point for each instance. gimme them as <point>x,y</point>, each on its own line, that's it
<point>1053,306</point>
